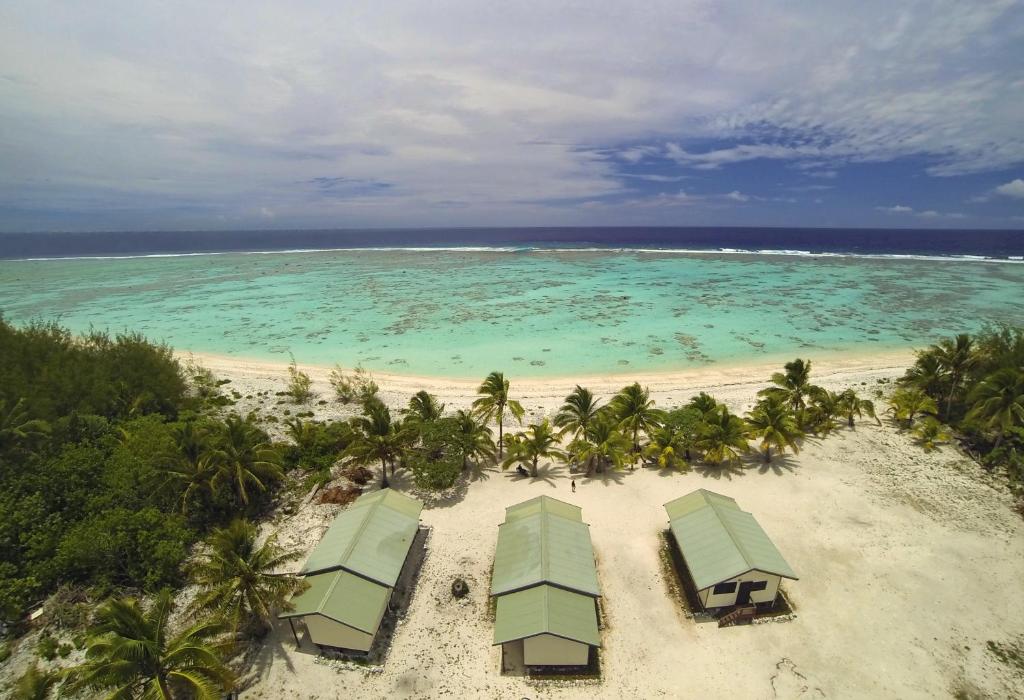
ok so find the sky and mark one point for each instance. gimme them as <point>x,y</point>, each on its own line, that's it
<point>149,115</point>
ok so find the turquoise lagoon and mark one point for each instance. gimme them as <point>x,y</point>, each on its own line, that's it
<point>536,313</point>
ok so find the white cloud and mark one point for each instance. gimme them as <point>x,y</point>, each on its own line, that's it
<point>1014,188</point>
<point>737,196</point>
<point>470,114</point>
<point>926,214</point>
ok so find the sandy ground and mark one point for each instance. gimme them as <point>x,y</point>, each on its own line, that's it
<point>909,563</point>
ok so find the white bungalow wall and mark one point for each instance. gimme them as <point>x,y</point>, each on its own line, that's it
<point>709,600</point>
<point>327,632</point>
<point>549,650</point>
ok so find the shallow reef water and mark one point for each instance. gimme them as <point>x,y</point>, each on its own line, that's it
<point>541,313</point>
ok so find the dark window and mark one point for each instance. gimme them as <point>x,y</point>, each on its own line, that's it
<point>723,588</point>
<point>759,586</point>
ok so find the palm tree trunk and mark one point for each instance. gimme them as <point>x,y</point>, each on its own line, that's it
<point>533,471</point>
<point>165,689</point>
<point>767,454</point>
<point>849,420</point>
<point>952,392</point>
<point>590,466</point>
<point>383,473</point>
<point>999,441</point>
<point>501,444</point>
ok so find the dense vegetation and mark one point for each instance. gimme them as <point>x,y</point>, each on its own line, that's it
<point>975,385</point>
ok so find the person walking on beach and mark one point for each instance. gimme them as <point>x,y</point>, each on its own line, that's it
<point>574,486</point>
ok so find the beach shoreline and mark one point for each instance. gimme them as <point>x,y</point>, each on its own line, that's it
<point>852,367</point>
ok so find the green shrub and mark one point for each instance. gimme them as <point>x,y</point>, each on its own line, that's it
<point>300,386</point>
<point>46,647</point>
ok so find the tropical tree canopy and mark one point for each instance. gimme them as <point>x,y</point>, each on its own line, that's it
<point>792,386</point>
<point>423,408</point>
<point>240,579</point>
<point>723,437</point>
<point>850,405</point>
<point>494,402</point>
<point>635,411</point>
<point>375,438</point>
<point>577,412</point>
<point>131,653</point>
<point>539,441</point>
<point>998,402</point>
<point>245,458</point>
<point>907,403</point>
<point>668,447</point>
<point>773,423</point>
<point>602,445</point>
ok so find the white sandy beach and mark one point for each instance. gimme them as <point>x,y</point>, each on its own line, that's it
<point>908,562</point>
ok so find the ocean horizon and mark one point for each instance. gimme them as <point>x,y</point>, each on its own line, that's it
<point>459,306</point>
<point>996,244</point>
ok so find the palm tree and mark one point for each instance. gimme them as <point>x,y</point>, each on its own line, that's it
<point>927,374</point>
<point>998,402</point>
<point>930,433</point>
<point>375,437</point>
<point>704,402</point>
<point>723,437</point>
<point>667,447</point>
<point>821,415</point>
<point>851,405</point>
<point>793,385</point>
<point>423,408</point>
<point>16,427</point>
<point>635,411</point>
<point>956,357</point>
<point>905,404</point>
<point>241,580</point>
<point>193,478</point>
<point>130,652</point>
<point>493,403</point>
<point>539,441</point>
<point>577,412</point>
<point>245,458</point>
<point>34,684</point>
<point>475,439</point>
<point>602,444</point>
<point>772,421</point>
<point>303,433</point>
<point>192,440</point>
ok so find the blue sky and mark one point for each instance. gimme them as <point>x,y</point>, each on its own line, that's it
<point>198,115</point>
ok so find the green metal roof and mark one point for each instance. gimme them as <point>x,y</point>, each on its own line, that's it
<point>546,610</point>
<point>543,504</point>
<point>542,547</point>
<point>719,541</point>
<point>371,537</point>
<point>345,597</point>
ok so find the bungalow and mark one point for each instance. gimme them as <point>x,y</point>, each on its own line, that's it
<point>728,556</point>
<point>545,583</point>
<point>352,572</point>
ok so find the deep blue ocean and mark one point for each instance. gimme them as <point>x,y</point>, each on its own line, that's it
<point>981,243</point>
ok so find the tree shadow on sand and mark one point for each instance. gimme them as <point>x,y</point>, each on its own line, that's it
<point>480,472</point>
<point>547,473</point>
<point>725,470</point>
<point>277,646</point>
<point>779,465</point>
<point>608,476</point>
<point>404,482</point>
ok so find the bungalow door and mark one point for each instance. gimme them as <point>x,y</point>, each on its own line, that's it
<point>743,597</point>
